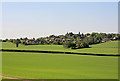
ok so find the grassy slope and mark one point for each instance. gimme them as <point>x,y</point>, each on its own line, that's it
<point>110,47</point>
<point>59,66</point>
<point>103,48</point>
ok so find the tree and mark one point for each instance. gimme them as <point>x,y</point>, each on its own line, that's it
<point>119,37</point>
<point>88,34</point>
<point>78,45</point>
<point>93,34</point>
<point>33,38</point>
<point>82,35</point>
<point>11,40</point>
<point>25,38</point>
<point>86,45</point>
<point>69,45</point>
<point>21,39</point>
<point>17,42</point>
<point>95,40</point>
<point>5,40</point>
<point>73,45</point>
<point>70,34</point>
<point>81,45</point>
<point>109,36</point>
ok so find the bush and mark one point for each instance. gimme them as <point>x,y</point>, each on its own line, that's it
<point>86,45</point>
<point>11,40</point>
<point>76,46</point>
<point>70,45</point>
<point>4,41</point>
<point>82,45</point>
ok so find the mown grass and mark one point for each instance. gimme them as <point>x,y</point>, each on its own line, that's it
<point>58,66</point>
<point>110,47</point>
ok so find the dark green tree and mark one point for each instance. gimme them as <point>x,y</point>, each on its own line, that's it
<point>17,42</point>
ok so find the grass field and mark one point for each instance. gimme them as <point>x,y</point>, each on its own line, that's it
<point>110,47</point>
<point>58,66</point>
<point>25,65</point>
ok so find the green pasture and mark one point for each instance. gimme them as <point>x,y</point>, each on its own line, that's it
<point>58,66</point>
<point>110,47</point>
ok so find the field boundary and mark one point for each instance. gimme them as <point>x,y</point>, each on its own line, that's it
<point>35,51</point>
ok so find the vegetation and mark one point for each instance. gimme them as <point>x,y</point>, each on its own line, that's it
<point>68,40</point>
<point>110,47</point>
<point>24,65</point>
<point>58,66</point>
<point>76,46</point>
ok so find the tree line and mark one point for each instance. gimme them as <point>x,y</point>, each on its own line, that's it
<point>69,40</point>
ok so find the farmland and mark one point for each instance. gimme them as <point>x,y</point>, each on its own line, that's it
<point>58,66</point>
<point>28,65</point>
<point>110,47</point>
<point>59,41</point>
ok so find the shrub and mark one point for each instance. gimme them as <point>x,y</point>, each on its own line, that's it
<point>69,45</point>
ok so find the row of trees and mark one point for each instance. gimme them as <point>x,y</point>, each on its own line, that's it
<point>68,40</point>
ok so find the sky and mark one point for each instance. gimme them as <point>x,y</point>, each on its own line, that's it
<point>40,19</point>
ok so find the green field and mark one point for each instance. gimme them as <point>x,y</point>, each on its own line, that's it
<point>110,47</point>
<point>58,66</point>
<point>26,65</point>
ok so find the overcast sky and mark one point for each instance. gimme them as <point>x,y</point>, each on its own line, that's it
<point>36,19</point>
